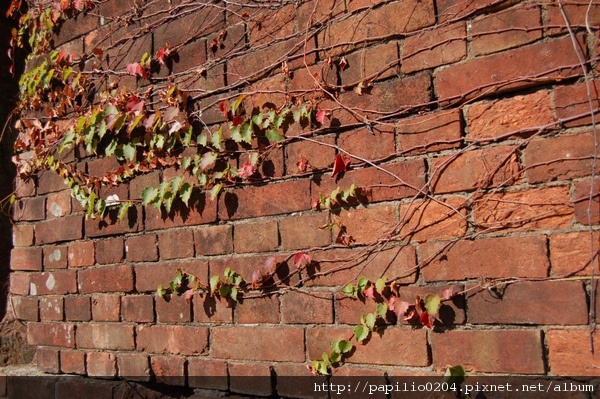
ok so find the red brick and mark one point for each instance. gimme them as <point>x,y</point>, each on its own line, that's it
<point>257,310</point>
<point>55,257</point>
<point>251,378</point>
<point>573,100</point>
<point>51,334</point>
<point>77,308</point>
<point>559,158</point>
<point>307,307</point>
<point>272,199</point>
<point>26,308</point>
<point>105,336</point>
<point>22,235</point>
<point>175,244</point>
<point>232,343</point>
<point>494,166</point>
<point>309,15</point>
<point>101,364</point>
<point>360,143</point>
<point>266,27</point>
<point>206,20</point>
<point>368,224</point>
<point>24,188</point>
<point>173,340</point>
<point>485,258</point>
<point>537,209</point>
<point>175,310</point>
<point>213,240</point>
<point>51,309</point>
<point>506,29</point>
<point>211,310</point>
<point>200,211</point>
<point>29,259</point>
<point>148,277</point>
<point>409,347</point>
<point>47,360</point>
<point>19,283</point>
<point>109,251</point>
<point>29,209</point>
<point>49,181</point>
<point>288,386</point>
<point>133,366</point>
<point>519,113</point>
<point>571,251</point>
<point>432,48</point>
<point>82,254</point>
<point>72,362</point>
<point>138,183</point>
<point>434,132</point>
<point>577,13</point>
<point>68,228</point>
<point>581,202</point>
<point>429,220</point>
<point>207,374</point>
<point>260,236</point>
<point>53,283</point>
<point>168,369</point>
<point>309,225</point>
<point>318,156</point>
<point>110,224</point>
<point>548,61</point>
<point>499,351</point>
<point>569,352</point>
<point>456,9</point>
<point>58,204</point>
<point>106,307</point>
<point>138,308</point>
<point>106,279</point>
<point>336,268</point>
<point>373,63</point>
<point>189,56</point>
<point>451,312</point>
<point>513,304</point>
<point>142,248</point>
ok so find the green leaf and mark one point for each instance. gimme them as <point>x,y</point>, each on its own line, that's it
<point>186,162</point>
<point>66,73</point>
<point>176,183</point>
<point>214,284</point>
<point>149,195</point>
<point>129,151</point>
<point>334,357</point>
<point>432,304</point>
<point>224,290</point>
<point>215,191</point>
<point>382,309</point>
<point>234,293</point>
<point>274,135</point>
<point>160,292</point>
<point>246,133</point>
<point>123,209</point>
<point>380,284</point>
<point>168,200</point>
<point>111,148</point>
<point>202,139</point>
<point>370,321</point>
<point>344,346</point>
<point>235,133</point>
<point>455,375</point>
<point>101,207</point>
<point>349,290</point>
<point>362,283</point>
<point>236,104</point>
<point>119,122</point>
<point>208,160</point>
<point>185,193</point>
<point>361,332</point>
<point>216,138</point>
<point>257,119</point>
<point>325,358</point>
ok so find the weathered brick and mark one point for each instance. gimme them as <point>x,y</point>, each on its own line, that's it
<point>110,224</point>
<point>53,283</point>
<point>174,310</point>
<point>68,228</point>
<point>173,340</point>
<point>148,277</point>
<point>548,61</point>
<point>168,370</point>
<point>232,343</point>
<point>101,364</point>
<point>19,283</point>
<point>200,211</point>
<point>72,362</point>
<point>106,307</point>
<point>272,199</point>
<point>51,309</point>
<point>499,351</point>
<point>49,181</point>
<point>368,224</point>
<point>213,240</point>
<point>138,308</point>
<point>559,158</point>
<point>494,166</point>
<point>260,236</point>
<point>82,254</point>
<point>138,183</point>
<point>570,252</point>
<point>288,386</point>
<point>51,334</point>
<point>569,352</point>
<point>77,308</point>
<point>573,100</point>
<point>176,244</point>
<point>251,378</point>
<point>58,204</point>
<point>521,113</point>
<point>266,27</point>
<point>75,27</point>
<point>56,257</point>
<point>537,209</point>
<point>106,279</point>
<point>456,9</point>
<point>432,48</point>
<point>109,251</point>
<point>307,307</point>
<point>26,308</point>
<point>133,366</point>
<point>360,143</point>
<point>433,132</point>
<point>373,63</point>
<point>29,209</point>
<point>512,304</point>
<point>309,16</point>
<point>207,373</point>
<point>212,310</point>
<point>506,29</point>
<point>47,360</point>
<point>23,235</point>
<point>312,235</point>
<point>409,347</point>
<point>317,155</point>
<point>257,310</point>
<point>29,259</point>
<point>451,312</point>
<point>25,188</point>
<point>577,14</point>
<point>141,248</point>
<point>429,220</point>
<point>485,258</point>
<point>105,336</point>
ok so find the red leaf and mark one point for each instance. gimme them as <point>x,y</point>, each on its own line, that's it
<point>343,63</point>
<point>160,55</point>
<point>301,259</point>
<point>369,292</point>
<point>321,116</point>
<point>270,266</point>
<point>214,45</point>
<point>285,69</point>
<point>245,15</point>
<point>339,165</point>
<point>400,308</point>
<point>447,293</point>
<point>188,295</point>
<point>314,204</point>
<point>223,107</point>
<point>237,120</point>
<point>426,319</point>
<point>246,170</point>
<point>256,278</point>
<point>302,164</point>
<point>137,70</point>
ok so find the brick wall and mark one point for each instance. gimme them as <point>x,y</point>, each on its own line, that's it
<point>467,124</point>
